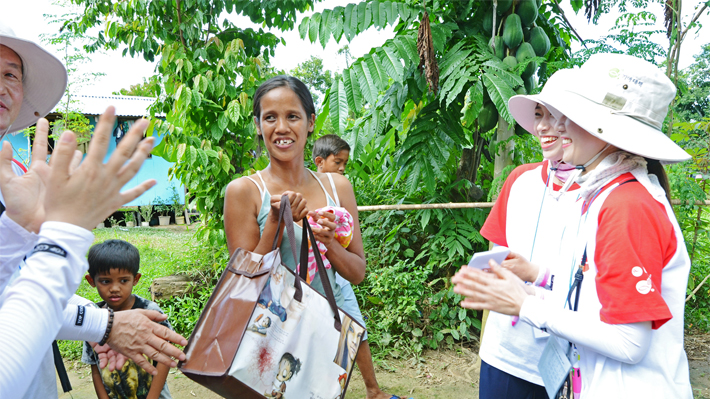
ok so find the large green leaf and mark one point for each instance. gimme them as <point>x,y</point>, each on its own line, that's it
<point>314,27</point>
<point>338,106</point>
<point>500,93</point>
<point>362,16</point>
<point>391,63</point>
<point>364,78</point>
<point>373,66</point>
<point>324,32</point>
<point>352,89</point>
<point>347,21</point>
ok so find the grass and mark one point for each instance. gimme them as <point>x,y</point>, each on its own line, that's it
<point>163,252</point>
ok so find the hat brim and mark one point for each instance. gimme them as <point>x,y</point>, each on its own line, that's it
<point>522,108</point>
<point>44,81</point>
<point>621,131</point>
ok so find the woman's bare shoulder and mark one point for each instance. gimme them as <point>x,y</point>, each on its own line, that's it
<point>242,188</point>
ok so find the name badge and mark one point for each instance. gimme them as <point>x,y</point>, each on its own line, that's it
<point>554,367</point>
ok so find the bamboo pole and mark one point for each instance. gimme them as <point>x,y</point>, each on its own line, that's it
<point>459,205</point>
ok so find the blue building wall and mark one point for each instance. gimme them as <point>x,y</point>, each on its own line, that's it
<point>153,168</point>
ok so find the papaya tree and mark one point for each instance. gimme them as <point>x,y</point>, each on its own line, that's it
<point>441,83</point>
<point>421,112</point>
<point>209,69</point>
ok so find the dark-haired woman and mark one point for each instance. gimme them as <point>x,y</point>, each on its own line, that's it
<point>284,115</point>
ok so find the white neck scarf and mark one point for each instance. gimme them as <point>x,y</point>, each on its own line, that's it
<point>613,166</point>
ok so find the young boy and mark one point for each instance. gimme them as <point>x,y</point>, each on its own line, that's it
<point>331,154</point>
<point>113,271</point>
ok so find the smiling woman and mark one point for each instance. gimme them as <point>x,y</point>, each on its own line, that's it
<point>284,115</point>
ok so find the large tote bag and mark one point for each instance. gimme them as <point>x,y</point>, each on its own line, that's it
<point>265,333</point>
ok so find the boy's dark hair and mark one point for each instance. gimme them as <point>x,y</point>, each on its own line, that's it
<point>295,363</point>
<point>292,83</point>
<point>113,254</point>
<point>327,145</point>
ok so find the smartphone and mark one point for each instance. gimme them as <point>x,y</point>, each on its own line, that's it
<point>480,259</point>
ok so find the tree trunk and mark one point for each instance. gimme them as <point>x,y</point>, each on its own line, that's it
<point>503,159</point>
<point>170,286</point>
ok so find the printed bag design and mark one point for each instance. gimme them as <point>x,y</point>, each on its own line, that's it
<point>265,333</point>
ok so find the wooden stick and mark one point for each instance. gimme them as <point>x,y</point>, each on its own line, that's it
<point>459,205</point>
<point>697,288</point>
<point>402,207</point>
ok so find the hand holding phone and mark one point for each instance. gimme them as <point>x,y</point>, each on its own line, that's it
<point>480,259</point>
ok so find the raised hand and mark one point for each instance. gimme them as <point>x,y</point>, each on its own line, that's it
<point>90,193</point>
<point>24,195</point>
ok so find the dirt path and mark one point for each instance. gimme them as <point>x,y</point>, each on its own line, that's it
<point>436,375</point>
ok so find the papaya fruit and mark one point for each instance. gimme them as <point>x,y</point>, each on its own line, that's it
<point>512,31</point>
<point>510,61</point>
<point>488,21</point>
<point>520,90</point>
<point>503,6</point>
<point>525,51</point>
<point>529,83</point>
<point>520,131</point>
<point>497,47</point>
<point>527,10</point>
<point>526,34</point>
<point>539,3</point>
<point>487,117</point>
<point>539,41</point>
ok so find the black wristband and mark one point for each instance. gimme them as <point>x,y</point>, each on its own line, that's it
<point>108,327</point>
<point>50,248</point>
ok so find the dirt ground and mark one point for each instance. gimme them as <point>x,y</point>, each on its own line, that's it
<point>436,375</point>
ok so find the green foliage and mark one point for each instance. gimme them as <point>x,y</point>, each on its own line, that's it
<point>146,212</point>
<point>150,87</point>
<point>317,79</point>
<point>407,294</point>
<point>209,69</point>
<point>183,312</point>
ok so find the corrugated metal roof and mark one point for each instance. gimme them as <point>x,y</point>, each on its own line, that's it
<point>125,105</point>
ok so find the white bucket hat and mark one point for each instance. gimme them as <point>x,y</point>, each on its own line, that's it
<point>522,107</point>
<point>621,100</point>
<point>44,79</point>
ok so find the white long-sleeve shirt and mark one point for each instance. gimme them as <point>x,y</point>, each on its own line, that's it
<point>32,307</point>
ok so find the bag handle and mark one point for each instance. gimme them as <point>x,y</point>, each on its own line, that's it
<point>325,281</point>
<point>286,216</point>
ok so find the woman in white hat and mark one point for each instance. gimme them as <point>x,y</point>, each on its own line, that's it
<point>526,219</point>
<point>626,335</point>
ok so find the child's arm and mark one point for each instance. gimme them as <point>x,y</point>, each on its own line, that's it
<point>158,381</point>
<point>98,382</point>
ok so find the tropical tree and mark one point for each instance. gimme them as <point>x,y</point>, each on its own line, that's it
<point>209,68</point>
<point>315,76</point>
<point>150,87</point>
<point>420,113</point>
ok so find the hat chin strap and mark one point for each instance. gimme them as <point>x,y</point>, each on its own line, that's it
<point>2,135</point>
<point>579,169</point>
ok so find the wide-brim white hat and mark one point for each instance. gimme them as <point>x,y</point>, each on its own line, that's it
<point>44,79</point>
<point>621,100</point>
<point>522,107</point>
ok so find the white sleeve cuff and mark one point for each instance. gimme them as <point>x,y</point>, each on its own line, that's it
<point>83,323</point>
<point>535,311</point>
